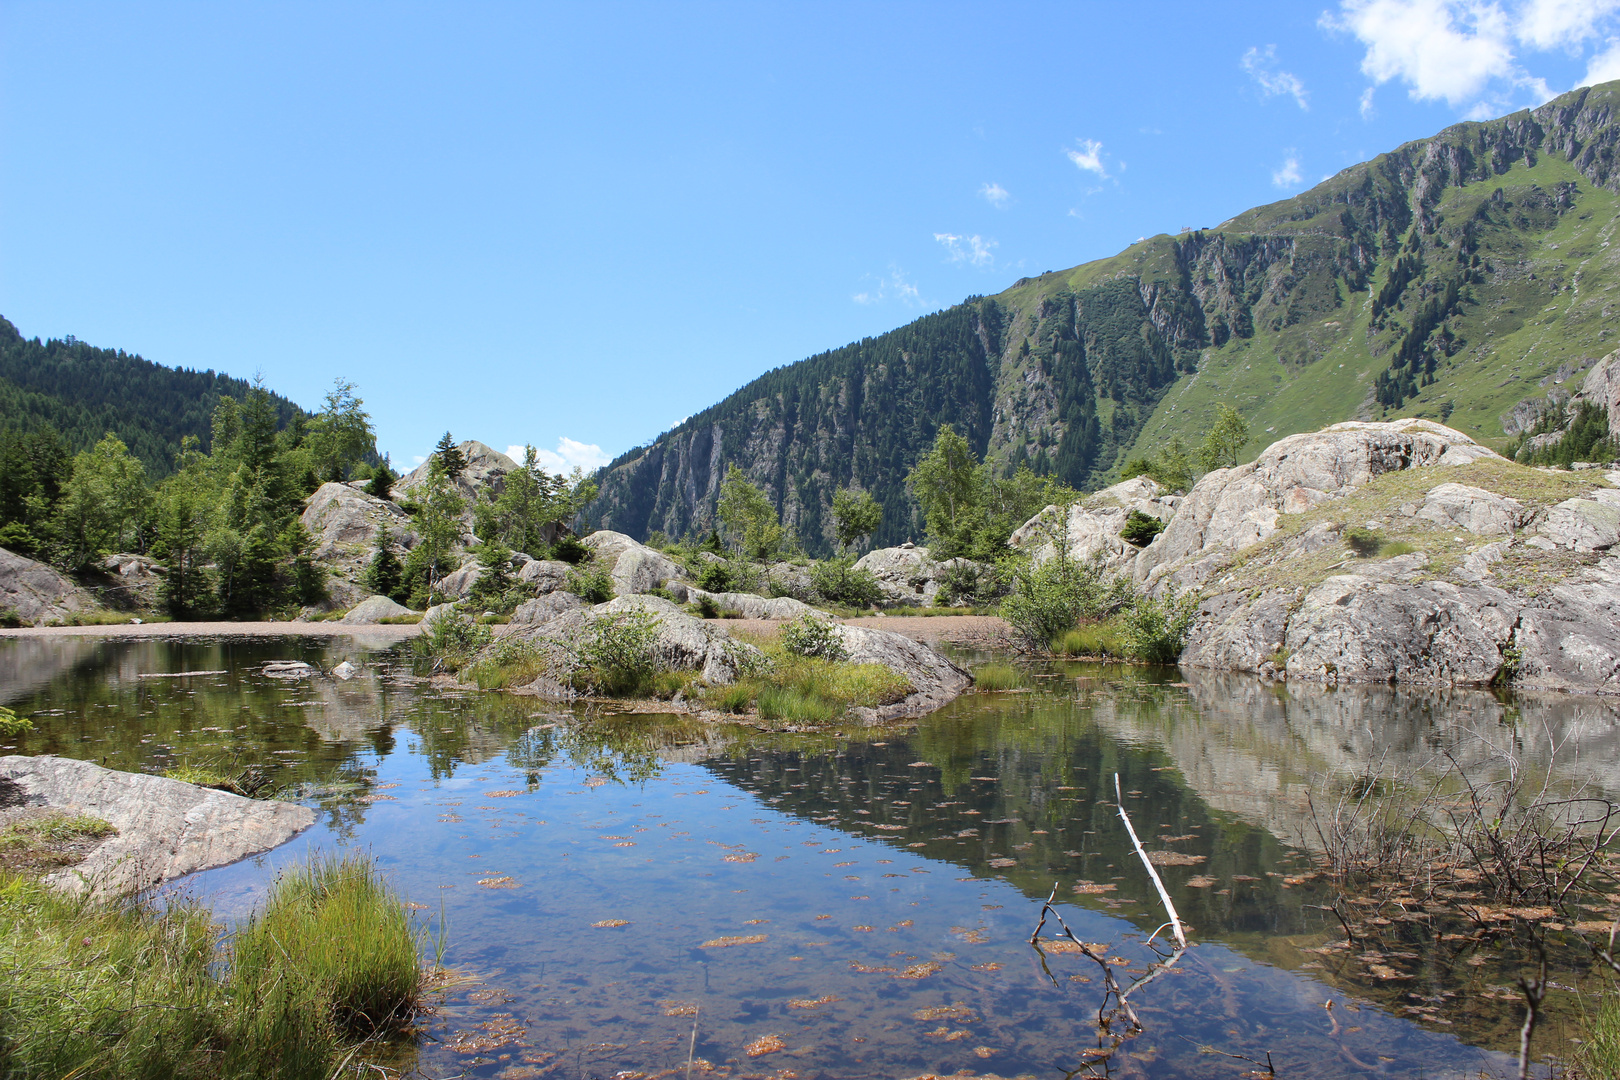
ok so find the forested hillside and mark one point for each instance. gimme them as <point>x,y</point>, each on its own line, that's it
<point>1467,277</point>
<point>85,392</point>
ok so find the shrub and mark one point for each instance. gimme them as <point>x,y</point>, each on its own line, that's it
<point>1363,541</point>
<point>12,725</point>
<point>590,582</point>
<point>1140,529</point>
<point>713,576</point>
<point>841,582</point>
<point>811,636</point>
<point>1057,595</point>
<point>1156,630</point>
<point>970,583</point>
<point>619,656</point>
<point>451,640</point>
<point>568,549</point>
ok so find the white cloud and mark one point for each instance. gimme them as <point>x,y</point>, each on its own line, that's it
<point>893,287</point>
<point>419,458</point>
<point>973,250</point>
<point>1261,65</point>
<point>1287,175</point>
<point>569,455</point>
<point>1465,52</point>
<point>1554,24</point>
<point>1367,103</point>
<point>1088,158</point>
<point>1604,65</point>
<point>995,194</point>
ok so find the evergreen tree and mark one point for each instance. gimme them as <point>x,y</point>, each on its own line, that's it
<point>381,485</point>
<point>384,575</point>
<point>451,463</point>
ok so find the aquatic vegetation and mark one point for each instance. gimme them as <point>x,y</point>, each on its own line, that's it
<point>998,676</point>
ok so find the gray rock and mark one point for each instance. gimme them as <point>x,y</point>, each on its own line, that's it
<point>436,612</point>
<point>545,575</point>
<point>344,521</point>
<point>1090,528</point>
<point>1602,388</point>
<point>1230,509</point>
<point>545,608</point>
<point>908,574</point>
<point>459,583</point>
<point>634,567</point>
<point>753,607</point>
<point>345,671</point>
<point>1356,628</point>
<point>482,480</point>
<point>37,594</point>
<point>1570,640</point>
<point>1236,633</point>
<point>166,828</point>
<point>372,610</point>
<point>287,669</point>
<point>1458,506</point>
<point>935,679</point>
<point>1588,524</point>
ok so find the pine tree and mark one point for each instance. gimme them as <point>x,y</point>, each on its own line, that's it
<point>450,460</point>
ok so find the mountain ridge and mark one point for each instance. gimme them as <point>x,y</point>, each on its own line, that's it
<point>1414,283</point>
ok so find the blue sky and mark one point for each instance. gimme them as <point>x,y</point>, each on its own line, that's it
<point>574,225</point>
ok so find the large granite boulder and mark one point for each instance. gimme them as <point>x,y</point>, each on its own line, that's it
<point>545,607</point>
<point>372,610</point>
<point>34,593</point>
<point>634,567</point>
<point>544,575</point>
<point>1090,528</point>
<point>166,828</point>
<point>908,574</point>
<point>1570,639</point>
<point>935,680</point>
<point>1590,523</point>
<point>1230,509</point>
<point>748,605</point>
<point>459,583</point>
<point>1472,509</point>
<point>1602,388</point>
<point>343,521</point>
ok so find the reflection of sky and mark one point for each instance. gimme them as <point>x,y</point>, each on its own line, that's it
<point>655,855</point>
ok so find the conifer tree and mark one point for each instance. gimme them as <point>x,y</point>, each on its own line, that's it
<point>450,460</point>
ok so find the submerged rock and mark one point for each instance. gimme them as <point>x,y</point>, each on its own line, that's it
<point>166,828</point>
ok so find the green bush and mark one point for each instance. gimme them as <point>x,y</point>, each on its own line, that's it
<point>12,725</point>
<point>811,636</point>
<point>1156,630</point>
<point>1140,529</point>
<point>839,581</point>
<point>590,582</point>
<point>619,656</point>
<point>1050,599</point>
<point>969,582</point>
<point>568,549</point>
<point>451,640</point>
<point>1363,541</point>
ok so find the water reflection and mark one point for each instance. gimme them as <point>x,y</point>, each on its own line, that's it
<point>832,905</point>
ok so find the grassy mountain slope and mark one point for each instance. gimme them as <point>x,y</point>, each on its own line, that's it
<point>1465,276</point>
<point>85,392</point>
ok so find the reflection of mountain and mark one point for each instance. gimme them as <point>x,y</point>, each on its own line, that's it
<point>29,665</point>
<point>1254,750</point>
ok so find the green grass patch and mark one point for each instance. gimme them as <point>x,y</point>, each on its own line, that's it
<point>400,620</point>
<point>119,989</point>
<point>1599,1055</point>
<point>809,690</point>
<point>997,676</point>
<point>42,843</point>
<point>1105,638</point>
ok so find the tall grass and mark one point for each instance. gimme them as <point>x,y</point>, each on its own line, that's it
<point>1599,1055</point>
<point>116,989</point>
<point>1104,639</point>
<point>810,690</point>
<point>997,677</point>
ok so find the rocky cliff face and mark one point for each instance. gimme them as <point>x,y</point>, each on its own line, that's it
<point>1447,278</point>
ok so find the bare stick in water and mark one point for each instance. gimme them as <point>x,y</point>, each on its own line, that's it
<point>1169,907</point>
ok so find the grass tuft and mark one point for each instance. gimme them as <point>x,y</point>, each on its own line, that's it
<point>997,677</point>
<point>1105,639</point>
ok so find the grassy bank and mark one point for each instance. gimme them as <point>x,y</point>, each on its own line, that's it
<point>326,973</point>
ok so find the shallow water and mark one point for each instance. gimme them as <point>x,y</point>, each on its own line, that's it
<point>848,905</point>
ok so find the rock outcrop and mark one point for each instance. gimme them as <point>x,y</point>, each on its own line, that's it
<point>1090,528</point>
<point>482,478</point>
<point>343,521</point>
<point>1523,590</point>
<point>373,610</point>
<point>544,575</point>
<point>35,594</point>
<point>634,567</point>
<point>747,605</point>
<point>166,828</point>
<point>1230,509</point>
<point>908,574</point>
<point>546,607</point>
